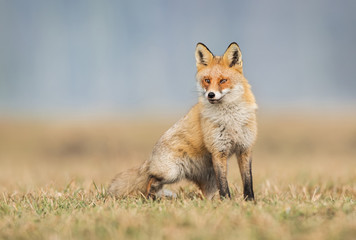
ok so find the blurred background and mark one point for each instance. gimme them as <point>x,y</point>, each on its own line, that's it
<point>87,87</point>
<point>117,57</point>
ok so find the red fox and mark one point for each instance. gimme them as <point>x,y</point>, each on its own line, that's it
<point>198,146</point>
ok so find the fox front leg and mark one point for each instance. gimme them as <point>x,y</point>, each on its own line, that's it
<point>245,161</point>
<point>220,169</point>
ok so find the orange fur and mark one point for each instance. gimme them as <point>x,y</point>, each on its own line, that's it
<point>199,145</point>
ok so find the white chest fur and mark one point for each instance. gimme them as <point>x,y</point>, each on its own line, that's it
<point>234,126</point>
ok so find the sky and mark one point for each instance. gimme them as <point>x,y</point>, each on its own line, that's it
<point>119,57</point>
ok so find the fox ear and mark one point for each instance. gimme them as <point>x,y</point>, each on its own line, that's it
<point>203,56</point>
<point>232,56</point>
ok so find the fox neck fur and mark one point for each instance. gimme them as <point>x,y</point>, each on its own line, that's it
<point>234,124</point>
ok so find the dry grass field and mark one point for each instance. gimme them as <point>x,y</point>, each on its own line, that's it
<point>54,175</point>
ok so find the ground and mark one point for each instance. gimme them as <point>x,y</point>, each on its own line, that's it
<point>54,175</point>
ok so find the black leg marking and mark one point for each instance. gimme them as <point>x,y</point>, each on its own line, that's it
<point>248,184</point>
<point>224,188</point>
<point>222,183</point>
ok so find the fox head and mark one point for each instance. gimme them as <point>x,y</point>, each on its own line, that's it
<point>220,78</point>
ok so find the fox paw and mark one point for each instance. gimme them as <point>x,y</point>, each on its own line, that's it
<point>165,193</point>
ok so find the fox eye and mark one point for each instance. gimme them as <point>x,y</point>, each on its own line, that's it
<point>223,81</point>
<point>207,80</point>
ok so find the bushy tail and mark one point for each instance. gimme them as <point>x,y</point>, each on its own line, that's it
<point>132,181</point>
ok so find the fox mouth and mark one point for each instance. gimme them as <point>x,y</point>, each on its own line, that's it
<point>215,101</point>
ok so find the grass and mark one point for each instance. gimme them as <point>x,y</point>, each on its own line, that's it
<point>53,180</point>
<point>294,212</point>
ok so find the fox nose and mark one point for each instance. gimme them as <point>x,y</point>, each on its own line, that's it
<point>211,95</point>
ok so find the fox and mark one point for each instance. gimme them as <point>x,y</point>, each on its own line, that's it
<point>197,147</point>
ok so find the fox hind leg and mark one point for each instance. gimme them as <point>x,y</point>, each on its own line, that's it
<point>154,185</point>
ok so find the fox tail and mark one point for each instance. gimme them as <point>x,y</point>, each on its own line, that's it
<point>132,181</point>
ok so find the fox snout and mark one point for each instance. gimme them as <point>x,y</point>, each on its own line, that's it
<point>213,96</point>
